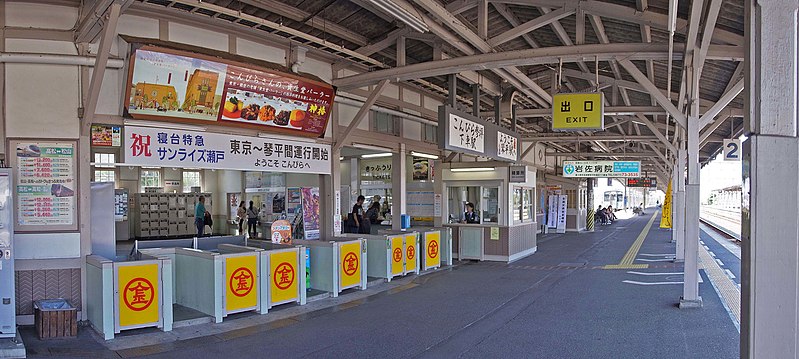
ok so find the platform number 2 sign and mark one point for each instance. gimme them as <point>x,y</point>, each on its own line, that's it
<point>732,150</point>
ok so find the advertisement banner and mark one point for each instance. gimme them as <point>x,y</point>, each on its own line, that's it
<point>665,216</point>
<point>241,283</point>
<point>433,244</point>
<point>421,169</point>
<point>106,136</point>
<point>160,147</point>
<point>562,205</point>
<point>350,262</point>
<point>138,294</point>
<point>281,232</point>
<point>552,220</point>
<point>625,169</point>
<point>284,268</point>
<point>578,111</point>
<point>46,185</point>
<point>310,212</point>
<point>173,85</point>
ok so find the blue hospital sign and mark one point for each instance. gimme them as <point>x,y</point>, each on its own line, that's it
<point>164,147</point>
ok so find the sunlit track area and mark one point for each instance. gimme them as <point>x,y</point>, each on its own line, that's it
<point>727,221</point>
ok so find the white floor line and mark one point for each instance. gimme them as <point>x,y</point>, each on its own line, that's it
<point>712,254</point>
<point>654,260</point>
<point>727,244</point>
<point>729,274</point>
<point>706,247</point>
<point>650,274</point>
<point>656,255</point>
<point>720,262</point>
<point>652,283</point>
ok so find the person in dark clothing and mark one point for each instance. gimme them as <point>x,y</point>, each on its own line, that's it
<point>357,218</point>
<point>373,213</point>
<point>199,216</point>
<point>252,220</point>
<point>601,216</point>
<point>469,216</point>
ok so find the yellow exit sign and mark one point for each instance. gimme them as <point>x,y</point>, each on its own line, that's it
<point>578,111</point>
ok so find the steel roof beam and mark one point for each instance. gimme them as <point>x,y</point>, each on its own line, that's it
<point>725,100</point>
<point>600,154</point>
<point>603,138</point>
<point>530,26</point>
<point>653,91</point>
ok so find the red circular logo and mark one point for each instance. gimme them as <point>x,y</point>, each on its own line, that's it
<point>138,294</point>
<point>350,264</point>
<point>241,282</point>
<point>411,251</point>
<point>397,255</point>
<point>283,276</point>
<point>432,249</point>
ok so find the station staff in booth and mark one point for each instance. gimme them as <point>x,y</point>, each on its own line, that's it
<point>470,216</point>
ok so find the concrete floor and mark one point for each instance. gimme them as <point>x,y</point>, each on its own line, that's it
<point>558,303</point>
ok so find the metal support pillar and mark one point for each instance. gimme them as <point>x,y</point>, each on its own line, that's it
<point>331,187</point>
<point>513,118</point>
<point>589,220</point>
<point>769,226</point>
<point>399,185</point>
<point>679,204</point>
<point>690,294</point>
<point>438,190</point>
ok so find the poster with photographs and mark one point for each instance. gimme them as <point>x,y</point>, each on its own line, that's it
<point>421,169</point>
<point>310,212</point>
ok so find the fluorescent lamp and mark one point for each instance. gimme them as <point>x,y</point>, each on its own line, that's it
<point>403,15</point>
<point>473,169</point>
<point>341,158</point>
<point>424,155</point>
<point>364,146</point>
<point>167,125</point>
<point>377,155</point>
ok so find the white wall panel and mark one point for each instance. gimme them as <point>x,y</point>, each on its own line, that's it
<point>111,95</point>
<point>42,101</point>
<point>432,104</point>
<point>391,91</point>
<point>21,14</point>
<point>347,114</point>
<point>41,46</point>
<point>323,70</point>
<point>137,26</point>
<point>411,97</point>
<point>197,37</point>
<point>261,52</point>
<point>412,130</point>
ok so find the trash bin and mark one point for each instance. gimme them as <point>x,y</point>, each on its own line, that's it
<point>55,318</point>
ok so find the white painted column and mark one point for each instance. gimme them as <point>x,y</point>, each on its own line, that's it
<point>769,225</point>
<point>690,295</point>
<point>679,205</point>
<point>399,186</point>
<point>438,190</point>
<point>330,192</point>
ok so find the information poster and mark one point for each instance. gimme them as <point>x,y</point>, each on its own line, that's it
<point>310,212</point>
<point>121,205</point>
<point>106,136</point>
<point>46,185</point>
<point>553,212</point>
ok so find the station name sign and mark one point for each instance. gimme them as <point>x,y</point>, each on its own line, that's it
<point>643,182</point>
<point>462,132</point>
<point>578,112</point>
<point>610,169</point>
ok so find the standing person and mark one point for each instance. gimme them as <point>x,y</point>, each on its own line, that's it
<point>357,215</point>
<point>252,220</point>
<point>199,216</point>
<point>469,216</point>
<point>373,213</point>
<point>241,215</point>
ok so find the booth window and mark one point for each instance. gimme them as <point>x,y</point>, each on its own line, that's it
<point>104,167</point>
<point>429,133</point>
<point>150,178</point>
<point>385,123</point>
<point>572,198</point>
<point>523,205</point>
<point>191,179</point>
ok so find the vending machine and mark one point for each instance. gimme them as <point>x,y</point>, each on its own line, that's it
<point>8,324</point>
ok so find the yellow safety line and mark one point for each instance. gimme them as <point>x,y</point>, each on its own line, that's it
<point>629,257</point>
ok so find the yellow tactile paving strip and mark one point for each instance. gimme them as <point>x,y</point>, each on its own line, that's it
<point>728,290</point>
<point>632,253</point>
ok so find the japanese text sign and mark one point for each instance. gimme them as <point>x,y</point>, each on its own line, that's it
<point>241,282</point>
<point>138,295</point>
<point>46,187</point>
<point>147,146</point>
<point>578,111</point>
<point>462,132</point>
<point>168,84</point>
<point>350,265</point>
<point>432,251</point>
<point>623,169</point>
<point>643,182</point>
<point>518,174</point>
<point>284,272</point>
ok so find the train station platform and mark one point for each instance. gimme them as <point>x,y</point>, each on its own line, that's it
<point>612,293</point>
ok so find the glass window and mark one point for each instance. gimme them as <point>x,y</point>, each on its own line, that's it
<point>150,178</point>
<point>517,204</point>
<point>191,179</point>
<point>490,205</point>
<point>104,176</point>
<point>429,133</point>
<point>104,159</point>
<point>572,198</point>
<point>385,123</point>
<point>523,204</point>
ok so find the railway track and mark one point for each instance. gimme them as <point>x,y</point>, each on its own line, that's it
<point>717,219</point>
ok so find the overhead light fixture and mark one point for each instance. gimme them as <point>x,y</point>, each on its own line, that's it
<point>423,155</point>
<point>364,146</point>
<point>341,158</point>
<point>473,169</point>
<point>166,125</point>
<point>377,155</point>
<point>401,14</point>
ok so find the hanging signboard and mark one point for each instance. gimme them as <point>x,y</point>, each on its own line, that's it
<point>732,150</point>
<point>376,170</point>
<point>106,136</point>
<point>459,131</point>
<point>578,112</point>
<point>171,85</point>
<point>625,169</point>
<point>643,182</point>
<point>518,174</point>
<point>46,185</point>
<point>146,146</point>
